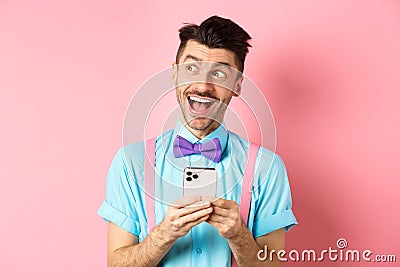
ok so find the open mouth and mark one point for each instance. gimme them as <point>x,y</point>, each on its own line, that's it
<point>200,105</point>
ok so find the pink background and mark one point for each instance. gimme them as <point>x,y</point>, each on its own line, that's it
<point>329,69</point>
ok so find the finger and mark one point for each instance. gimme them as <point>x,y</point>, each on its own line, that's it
<point>191,209</point>
<point>202,203</point>
<point>195,215</point>
<point>224,203</point>
<point>222,211</point>
<point>188,226</point>
<point>218,219</point>
<point>220,202</point>
<point>185,201</point>
<point>217,225</point>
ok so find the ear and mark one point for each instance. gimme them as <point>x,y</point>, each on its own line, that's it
<point>237,88</point>
<point>174,74</point>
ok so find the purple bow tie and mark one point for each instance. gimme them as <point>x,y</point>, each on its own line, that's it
<point>210,149</point>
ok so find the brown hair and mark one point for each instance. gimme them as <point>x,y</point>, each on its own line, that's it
<point>217,32</point>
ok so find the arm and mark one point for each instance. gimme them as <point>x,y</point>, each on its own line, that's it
<point>226,219</point>
<point>246,249</point>
<point>124,249</point>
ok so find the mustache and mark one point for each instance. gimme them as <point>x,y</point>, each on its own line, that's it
<point>202,94</point>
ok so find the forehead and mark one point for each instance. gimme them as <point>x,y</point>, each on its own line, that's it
<point>203,53</point>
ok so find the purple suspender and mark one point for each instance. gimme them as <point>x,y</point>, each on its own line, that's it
<point>149,161</point>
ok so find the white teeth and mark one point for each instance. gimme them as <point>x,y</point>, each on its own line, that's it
<point>201,100</point>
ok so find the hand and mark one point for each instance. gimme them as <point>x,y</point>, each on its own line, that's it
<point>226,218</point>
<point>182,215</point>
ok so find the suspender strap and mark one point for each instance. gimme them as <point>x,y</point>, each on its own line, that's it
<point>247,185</point>
<point>149,163</point>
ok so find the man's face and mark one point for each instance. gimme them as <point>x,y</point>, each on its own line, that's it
<point>206,79</point>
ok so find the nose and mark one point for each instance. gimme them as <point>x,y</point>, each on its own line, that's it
<point>202,86</point>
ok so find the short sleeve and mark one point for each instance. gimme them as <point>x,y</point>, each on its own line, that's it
<point>119,204</point>
<point>272,205</point>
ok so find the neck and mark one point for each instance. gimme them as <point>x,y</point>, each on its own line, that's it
<point>201,133</point>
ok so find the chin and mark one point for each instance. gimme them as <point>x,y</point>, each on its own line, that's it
<point>200,124</point>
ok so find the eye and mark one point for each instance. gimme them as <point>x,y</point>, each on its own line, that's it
<point>219,75</point>
<point>192,68</point>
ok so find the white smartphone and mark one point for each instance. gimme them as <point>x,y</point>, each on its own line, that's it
<point>200,182</point>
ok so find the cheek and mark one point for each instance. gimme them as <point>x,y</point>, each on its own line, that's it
<point>224,94</point>
<point>182,89</point>
<point>180,92</point>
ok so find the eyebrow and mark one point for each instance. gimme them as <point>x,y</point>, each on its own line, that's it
<point>198,59</point>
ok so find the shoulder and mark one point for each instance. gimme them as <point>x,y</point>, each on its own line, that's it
<point>127,162</point>
<point>237,143</point>
<point>133,154</point>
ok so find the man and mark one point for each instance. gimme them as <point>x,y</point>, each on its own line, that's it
<point>191,231</point>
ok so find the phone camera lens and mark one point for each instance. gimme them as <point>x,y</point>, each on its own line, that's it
<point>189,173</point>
<point>188,179</point>
<point>195,176</point>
